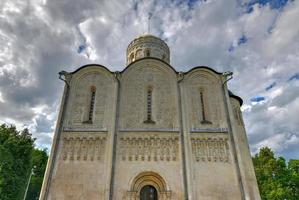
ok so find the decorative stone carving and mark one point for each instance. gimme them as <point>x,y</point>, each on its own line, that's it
<point>147,46</point>
<point>209,130</point>
<point>210,149</point>
<point>148,148</point>
<point>83,147</point>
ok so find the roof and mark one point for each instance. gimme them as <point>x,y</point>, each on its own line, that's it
<point>236,97</point>
<point>192,69</point>
<point>146,36</point>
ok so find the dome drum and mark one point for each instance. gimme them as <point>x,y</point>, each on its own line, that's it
<point>147,46</point>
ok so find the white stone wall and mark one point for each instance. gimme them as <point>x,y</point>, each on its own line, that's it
<point>210,84</point>
<point>243,153</point>
<point>177,146</point>
<point>80,94</point>
<point>211,169</point>
<point>148,147</point>
<point>155,152</point>
<point>133,100</point>
<point>82,165</point>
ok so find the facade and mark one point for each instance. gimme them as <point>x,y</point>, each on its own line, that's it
<point>149,132</point>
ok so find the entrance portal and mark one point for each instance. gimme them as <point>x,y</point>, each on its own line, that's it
<point>148,192</point>
<point>148,186</point>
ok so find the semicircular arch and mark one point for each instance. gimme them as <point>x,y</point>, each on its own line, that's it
<point>148,178</point>
<point>199,73</point>
<point>149,64</point>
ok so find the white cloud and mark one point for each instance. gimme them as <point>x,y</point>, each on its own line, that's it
<point>40,38</point>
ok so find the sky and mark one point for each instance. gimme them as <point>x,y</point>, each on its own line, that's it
<point>258,40</point>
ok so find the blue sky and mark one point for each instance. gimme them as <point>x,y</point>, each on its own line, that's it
<point>256,39</point>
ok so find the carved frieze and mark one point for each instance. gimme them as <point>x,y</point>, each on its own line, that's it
<point>210,149</point>
<point>148,148</point>
<point>209,130</point>
<point>89,147</point>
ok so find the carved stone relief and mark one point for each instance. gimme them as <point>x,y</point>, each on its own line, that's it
<point>210,149</point>
<point>83,147</point>
<point>156,46</point>
<point>148,148</point>
<point>79,104</point>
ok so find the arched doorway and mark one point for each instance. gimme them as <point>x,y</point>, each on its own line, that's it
<point>148,186</point>
<point>148,192</point>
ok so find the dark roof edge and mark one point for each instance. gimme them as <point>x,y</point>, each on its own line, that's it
<point>91,65</point>
<point>202,67</point>
<point>236,97</point>
<point>147,35</point>
<point>144,58</point>
<point>194,68</point>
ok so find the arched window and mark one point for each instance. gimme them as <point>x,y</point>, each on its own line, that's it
<point>131,59</point>
<point>92,102</point>
<point>138,53</point>
<point>148,192</point>
<point>149,99</point>
<point>203,107</point>
<point>147,53</point>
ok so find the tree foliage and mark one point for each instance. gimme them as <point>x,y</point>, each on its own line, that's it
<point>17,158</point>
<point>15,161</point>
<point>39,161</point>
<point>276,179</point>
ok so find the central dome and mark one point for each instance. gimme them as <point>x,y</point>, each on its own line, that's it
<point>147,46</point>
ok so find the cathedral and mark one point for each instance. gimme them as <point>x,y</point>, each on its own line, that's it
<point>149,132</point>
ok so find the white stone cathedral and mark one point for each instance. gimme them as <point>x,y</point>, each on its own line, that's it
<point>149,133</point>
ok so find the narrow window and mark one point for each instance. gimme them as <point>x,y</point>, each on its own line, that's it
<point>149,105</point>
<point>148,53</point>
<point>131,57</point>
<point>92,102</point>
<point>138,54</point>
<point>203,108</point>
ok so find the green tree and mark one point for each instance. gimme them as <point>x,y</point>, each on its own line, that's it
<point>15,161</point>
<point>276,180</point>
<point>39,161</point>
<point>293,166</point>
